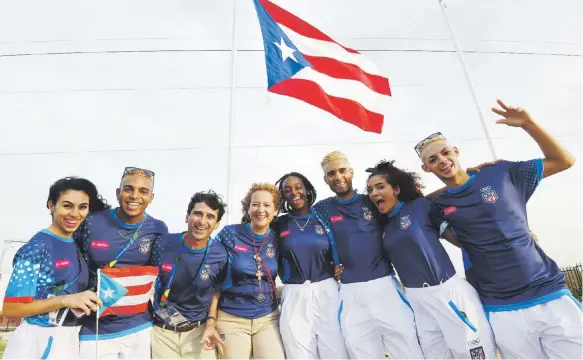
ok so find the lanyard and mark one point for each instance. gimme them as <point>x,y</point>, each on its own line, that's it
<point>131,241</point>
<point>177,258</point>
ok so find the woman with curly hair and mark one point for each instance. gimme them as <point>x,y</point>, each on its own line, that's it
<point>248,315</point>
<point>309,315</point>
<point>50,278</point>
<point>450,319</point>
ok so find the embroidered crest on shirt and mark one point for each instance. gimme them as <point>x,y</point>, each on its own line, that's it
<point>319,229</point>
<point>206,272</point>
<point>405,221</point>
<point>270,252</point>
<point>488,194</point>
<point>366,213</point>
<point>145,245</point>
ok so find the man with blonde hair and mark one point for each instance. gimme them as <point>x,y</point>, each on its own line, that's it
<point>373,313</point>
<point>532,312</point>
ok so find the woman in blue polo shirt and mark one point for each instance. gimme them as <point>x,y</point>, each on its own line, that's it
<point>450,319</point>
<point>309,316</point>
<point>50,279</point>
<point>248,315</point>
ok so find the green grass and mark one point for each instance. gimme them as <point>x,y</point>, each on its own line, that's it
<point>2,347</point>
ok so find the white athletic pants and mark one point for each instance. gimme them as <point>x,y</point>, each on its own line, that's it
<point>132,346</point>
<point>309,322</point>
<point>546,331</point>
<point>451,322</point>
<point>375,315</point>
<point>39,342</point>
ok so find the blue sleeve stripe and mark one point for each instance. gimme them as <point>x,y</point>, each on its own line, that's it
<point>540,167</point>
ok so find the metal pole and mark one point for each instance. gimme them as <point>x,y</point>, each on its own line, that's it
<point>232,117</point>
<point>469,79</point>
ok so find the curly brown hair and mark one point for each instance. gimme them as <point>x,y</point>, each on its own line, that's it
<point>246,202</point>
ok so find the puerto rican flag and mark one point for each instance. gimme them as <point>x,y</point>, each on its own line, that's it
<point>304,63</point>
<point>126,291</point>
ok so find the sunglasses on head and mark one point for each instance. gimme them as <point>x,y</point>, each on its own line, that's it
<point>426,141</point>
<point>129,170</point>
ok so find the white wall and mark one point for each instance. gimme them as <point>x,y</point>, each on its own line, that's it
<point>88,87</point>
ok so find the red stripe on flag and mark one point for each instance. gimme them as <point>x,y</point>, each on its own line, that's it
<point>341,70</point>
<point>345,109</point>
<point>131,271</point>
<point>126,310</point>
<point>298,25</point>
<point>18,299</point>
<point>139,289</point>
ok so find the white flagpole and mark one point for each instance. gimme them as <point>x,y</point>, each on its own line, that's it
<point>443,6</point>
<point>97,316</point>
<point>232,116</point>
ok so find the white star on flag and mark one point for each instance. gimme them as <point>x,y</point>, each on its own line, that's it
<point>107,293</point>
<point>286,51</point>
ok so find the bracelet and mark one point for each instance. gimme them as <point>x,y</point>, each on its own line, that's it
<point>211,318</point>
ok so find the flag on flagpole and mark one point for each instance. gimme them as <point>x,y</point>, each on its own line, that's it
<point>126,291</point>
<point>304,63</point>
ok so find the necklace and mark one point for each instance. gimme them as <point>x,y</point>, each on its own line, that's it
<point>135,234</point>
<point>298,224</point>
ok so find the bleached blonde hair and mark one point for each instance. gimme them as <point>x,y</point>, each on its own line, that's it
<point>334,155</point>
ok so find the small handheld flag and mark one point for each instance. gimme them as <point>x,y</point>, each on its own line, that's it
<point>126,291</point>
<point>304,63</point>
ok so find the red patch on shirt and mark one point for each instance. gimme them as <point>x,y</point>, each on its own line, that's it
<point>167,267</point>
<point>59,264</point>
<point>99,244</point>
<point>284,233</point>
<point>241,248</point>
<point>450,210</point>
<point>337,218</point>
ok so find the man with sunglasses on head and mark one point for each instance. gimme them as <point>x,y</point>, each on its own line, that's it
<point>120,238</point>
<point>530,308</point>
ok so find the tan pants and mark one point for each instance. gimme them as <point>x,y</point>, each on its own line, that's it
<point>168,344</point>
<point>251,338</point>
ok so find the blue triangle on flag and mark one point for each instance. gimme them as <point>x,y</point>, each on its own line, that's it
<point>110,291</point>
<point>278,58</point>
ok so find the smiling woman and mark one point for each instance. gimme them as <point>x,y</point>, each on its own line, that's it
<point>248,314</point>
<point>50,278</point>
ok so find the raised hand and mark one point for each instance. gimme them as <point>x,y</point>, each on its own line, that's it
<point>512,116</point>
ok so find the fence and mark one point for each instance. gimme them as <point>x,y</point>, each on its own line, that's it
<point>574,280</point>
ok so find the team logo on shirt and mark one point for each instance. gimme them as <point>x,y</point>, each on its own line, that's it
<point>270,252</point>
<point>145,245</point>
<point>405,221</point>
<point>206,272</point>
<point>319,229</point>
<point>366,213</point>
<point>477,353</point>
<point>99,244</point>
<point>489,194</point>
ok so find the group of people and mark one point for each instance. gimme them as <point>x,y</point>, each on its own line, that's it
<point>217,296</point>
